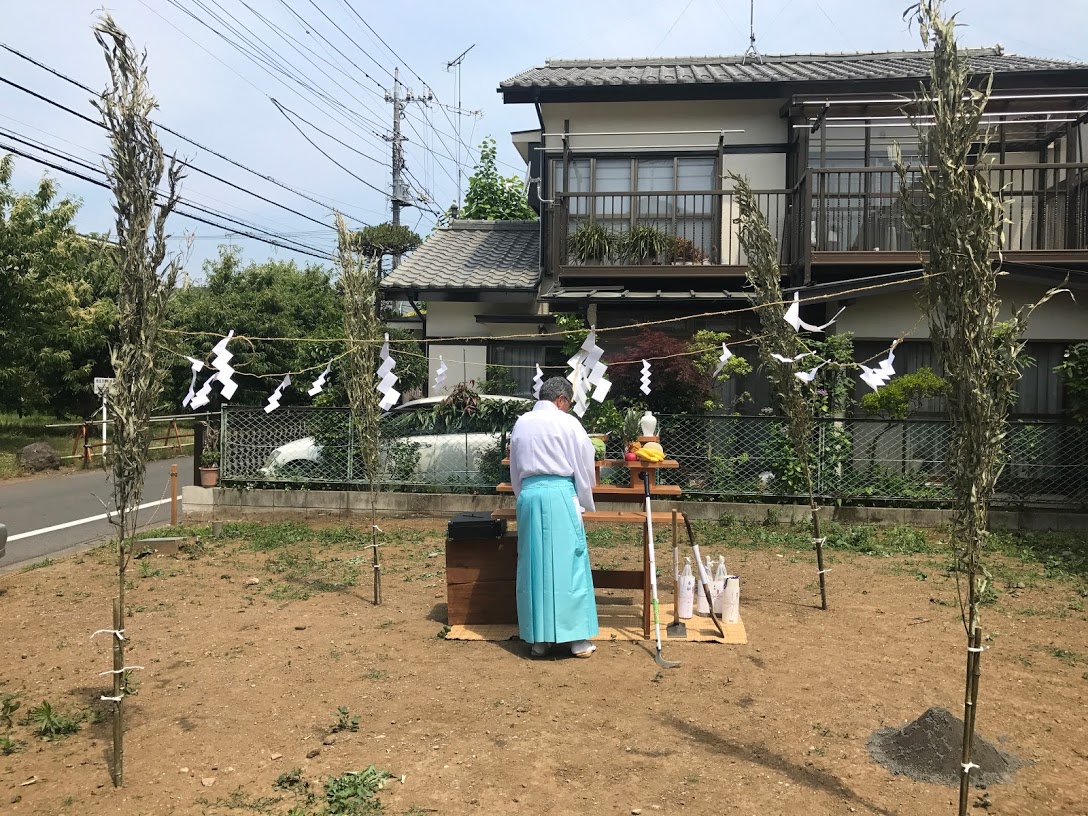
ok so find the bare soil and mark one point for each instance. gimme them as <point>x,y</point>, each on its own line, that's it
<point>242,681</point>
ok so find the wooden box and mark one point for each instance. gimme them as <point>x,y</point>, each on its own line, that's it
<point>480,580</point>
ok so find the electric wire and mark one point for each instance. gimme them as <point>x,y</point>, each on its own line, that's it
<point>181,136</point>
<point>105,185</point>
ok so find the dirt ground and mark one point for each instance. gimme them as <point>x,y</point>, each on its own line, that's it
<point>242,680</point>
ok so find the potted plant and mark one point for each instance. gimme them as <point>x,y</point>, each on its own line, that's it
<point>683,251</point>
<point>644,244</point>
<point>209,467</point>
<point>590,244</point>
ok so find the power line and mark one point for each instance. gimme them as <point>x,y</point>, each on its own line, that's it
<point>165,129</point>
<point>279,63</point>
<point>269,65</point>
<point>334,161</point>
<point>283,109</point>
<point>312,252</point>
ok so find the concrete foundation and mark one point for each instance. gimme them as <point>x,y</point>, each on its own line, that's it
<point>236,504</point>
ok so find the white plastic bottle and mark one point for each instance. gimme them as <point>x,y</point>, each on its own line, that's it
<point>731,600</point>
<point>702,607</point>
<point>718,585</point>
<point>686,593</point>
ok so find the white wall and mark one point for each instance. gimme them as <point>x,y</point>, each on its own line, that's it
<point>463,362</point>
<point>759,119</point>
<point>894,315</point>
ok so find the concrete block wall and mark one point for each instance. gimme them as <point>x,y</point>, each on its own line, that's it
<point>235,504</point>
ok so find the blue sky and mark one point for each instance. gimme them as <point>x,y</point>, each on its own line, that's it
<point>210,92</point>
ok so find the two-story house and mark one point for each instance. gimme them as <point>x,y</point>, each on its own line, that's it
<point>621,145</point>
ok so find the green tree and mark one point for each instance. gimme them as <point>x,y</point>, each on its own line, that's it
<point>55,317</point>
<point>492,197</point>
<point>273,298</point>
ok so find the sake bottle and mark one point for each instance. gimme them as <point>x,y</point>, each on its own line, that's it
<point>731,600</point>
<point>718,585</point>
<point>686,594</point>
<point>702,607</point>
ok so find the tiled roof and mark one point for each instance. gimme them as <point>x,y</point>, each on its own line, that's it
<point>791,68</point>
<point>473,255</point>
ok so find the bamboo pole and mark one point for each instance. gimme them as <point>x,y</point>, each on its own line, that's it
<point>118,694</point>
<point>818,541</point>
<point>377,566</point>
<point>173,495</point>
<point>970,705</point>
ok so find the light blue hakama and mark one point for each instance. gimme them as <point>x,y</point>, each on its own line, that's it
<point>554,581</point>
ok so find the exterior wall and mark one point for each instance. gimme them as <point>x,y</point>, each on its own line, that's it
<point>464,362</point>
<point>759,119</point>
<point>895,315</point>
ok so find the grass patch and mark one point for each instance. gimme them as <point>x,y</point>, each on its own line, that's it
<point>45,562</point>
<point>48,723</point>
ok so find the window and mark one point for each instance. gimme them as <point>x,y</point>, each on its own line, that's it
<point>663,192</point>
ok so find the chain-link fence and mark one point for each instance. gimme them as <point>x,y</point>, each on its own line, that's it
<point>720,457</point>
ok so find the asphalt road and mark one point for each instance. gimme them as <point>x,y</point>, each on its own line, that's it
<point>30,505</point>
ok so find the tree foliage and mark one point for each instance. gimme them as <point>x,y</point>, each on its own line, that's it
<point>272,298</point>
<point>901,396</point>
<point>1074,372</point>
<point>492,197</point>
<point>385,239</point>
<point>56,311</point>
<point>681,380</point>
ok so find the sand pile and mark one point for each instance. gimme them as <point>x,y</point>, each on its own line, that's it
<point>930,750</point>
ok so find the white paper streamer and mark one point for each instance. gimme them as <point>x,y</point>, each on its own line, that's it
<point>793,316</point>
<point>274,400</point>
<point>876,377</point>
<point>538,381</point>
<point>726,354</point>
<point>387,379</point>
<point>810,375</point>
<point>197,367</point>
<point>221,363</point>
<point>587,372</point>
<point>440,374</point>
<point>645,380</point>
<point>204,395</point>
<point>783,359</point>
<point>319,383</point>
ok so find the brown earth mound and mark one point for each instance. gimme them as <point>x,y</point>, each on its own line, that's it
<point>930,749</point>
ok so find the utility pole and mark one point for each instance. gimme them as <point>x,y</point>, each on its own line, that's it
<point>398,200</point>
<point>402,196</point>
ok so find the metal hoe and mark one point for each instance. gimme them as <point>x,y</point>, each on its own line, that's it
<point>661,661</point>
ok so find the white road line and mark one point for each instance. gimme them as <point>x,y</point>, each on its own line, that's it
<point>77,522</point>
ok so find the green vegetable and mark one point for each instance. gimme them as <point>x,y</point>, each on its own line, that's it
<point>598,447</point>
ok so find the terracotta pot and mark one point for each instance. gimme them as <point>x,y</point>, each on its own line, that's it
<point>209,476</point>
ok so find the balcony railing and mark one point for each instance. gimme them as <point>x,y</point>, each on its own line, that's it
<point>860,209</point>
<point>830,211</point>
<point>694,228</point>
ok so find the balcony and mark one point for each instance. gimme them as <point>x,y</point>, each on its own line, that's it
<point>675,233</point>
<point>832,217</point>
<point>856,215</point>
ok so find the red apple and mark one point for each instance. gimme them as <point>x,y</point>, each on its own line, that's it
<point>630,456</point>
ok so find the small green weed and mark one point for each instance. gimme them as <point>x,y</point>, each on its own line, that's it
<point>9,704</point>
<point>45,562</point>
<point>377,674</point>
<point>344,721</point>
<point>49,723</point>
<point>1067,656</point>
<point>9,746</point>
<point>149,571</point>
<point>355,793</point>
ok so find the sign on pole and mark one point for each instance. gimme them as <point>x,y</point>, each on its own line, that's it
<point>101,388</point>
